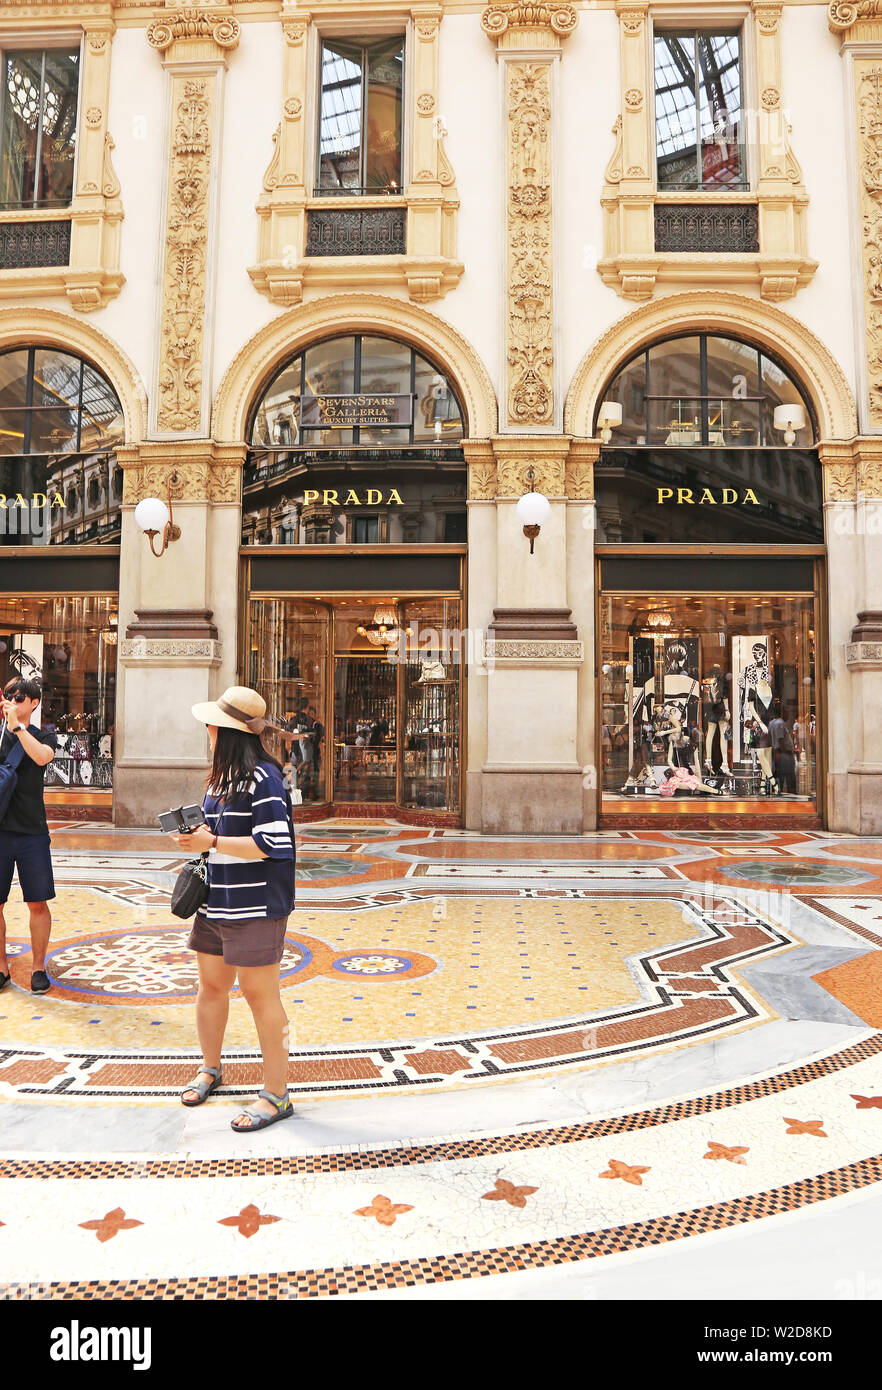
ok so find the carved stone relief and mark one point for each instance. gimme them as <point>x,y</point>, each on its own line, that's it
<point>183,291</point>
<point>530,346</point>
<point>868,78</point>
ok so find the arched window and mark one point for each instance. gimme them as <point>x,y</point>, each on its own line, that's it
<point>704,391</point>
<point>356,441</point>
<point>304,403</point>
<point>58,418</point>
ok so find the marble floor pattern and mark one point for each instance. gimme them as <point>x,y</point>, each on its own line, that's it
<point>627,1064</point>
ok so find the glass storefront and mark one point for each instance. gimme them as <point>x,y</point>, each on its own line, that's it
<point>709,537</point>
<point>353,538</point>
<point>369,690</point>
<point>709,697</point>
<point>70,645</point>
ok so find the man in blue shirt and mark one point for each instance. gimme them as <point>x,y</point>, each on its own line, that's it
<point>24,832</point>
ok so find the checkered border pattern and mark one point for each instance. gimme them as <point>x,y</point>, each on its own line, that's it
<point>510,1259</point>
<point>403,1157</point>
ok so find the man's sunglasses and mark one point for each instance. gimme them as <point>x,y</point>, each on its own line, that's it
<point>17,699</point>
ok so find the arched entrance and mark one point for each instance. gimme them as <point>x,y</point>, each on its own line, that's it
<point>711,617</point>
<point>62,420</point>
<point>353,573</point>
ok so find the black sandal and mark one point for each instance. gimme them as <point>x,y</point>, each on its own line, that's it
<point>4,980</point>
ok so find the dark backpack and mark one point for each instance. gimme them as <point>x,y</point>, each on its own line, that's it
<point>9,777</point>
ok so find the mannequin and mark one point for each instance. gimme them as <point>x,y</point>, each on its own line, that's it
<point>680,746</point>
<point>718,718</point>
<point>755,684</point>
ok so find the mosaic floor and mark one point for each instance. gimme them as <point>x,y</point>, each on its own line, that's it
<point>509,1057</point>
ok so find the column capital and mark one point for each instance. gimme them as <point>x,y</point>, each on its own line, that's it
<point>529,23</point>
<point>206,31</point>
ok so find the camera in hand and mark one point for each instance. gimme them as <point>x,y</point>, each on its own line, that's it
<point>181,820</point>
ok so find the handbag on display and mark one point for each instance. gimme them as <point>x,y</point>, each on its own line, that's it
<point>191,888</point>
<point>9,773</point>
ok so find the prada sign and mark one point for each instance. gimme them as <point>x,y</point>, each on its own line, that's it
<point>368,497</point>
<point>707,497</point>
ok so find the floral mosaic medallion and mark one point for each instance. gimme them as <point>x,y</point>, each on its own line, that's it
<point>156,965</point>
<point>374,966</point>
<point>793,874</point>
<point>140,965</point>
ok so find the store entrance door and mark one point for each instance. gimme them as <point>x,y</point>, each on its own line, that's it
<point>365,729</point>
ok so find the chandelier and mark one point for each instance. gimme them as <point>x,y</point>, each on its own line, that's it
<point>659,619</point>
<point>383,630</point>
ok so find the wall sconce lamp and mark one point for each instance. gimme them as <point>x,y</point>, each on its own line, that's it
<point>789,418</point>
<point>532,509</point>
<point>153,517</point>
<point>610,418</point>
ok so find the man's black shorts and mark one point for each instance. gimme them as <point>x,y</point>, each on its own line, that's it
<point>30,855</point>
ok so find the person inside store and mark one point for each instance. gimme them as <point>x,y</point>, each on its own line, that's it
<point>783,759</point>
<point>24,831</point>
<point>240,930</point>
<point>318,734</point>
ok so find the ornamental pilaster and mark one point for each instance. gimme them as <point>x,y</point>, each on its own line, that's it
<point>193,42</point>
<point>528,39</point>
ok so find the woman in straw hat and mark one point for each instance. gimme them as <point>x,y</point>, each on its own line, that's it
<point>240,930</point>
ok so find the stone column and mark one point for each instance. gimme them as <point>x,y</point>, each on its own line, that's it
<point>853,526</point>
<point>531,777</point>
<point>179,611</point>
<point>281,208</point>
<point>94,276</point>
<point>528,38</point>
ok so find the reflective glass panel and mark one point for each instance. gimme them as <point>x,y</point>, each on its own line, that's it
<point>676,116</point>
<point>385,64</point>
<point>385,370</point>
<point>340,120</point>
<point>70,645</point>
<point>288,642</point>
<point>436,409</point>
<point>38,110</point>
<point>698,110</point>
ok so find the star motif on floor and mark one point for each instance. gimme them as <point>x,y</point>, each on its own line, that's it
<point>111,1224</point>
<point>506,1191</point>
<point>868,1102</point>
<point>625,1171</point>
<point>806,1127</point>
<point>384,1210</point>
<point>249,1220</point>
<point>731,1154</point>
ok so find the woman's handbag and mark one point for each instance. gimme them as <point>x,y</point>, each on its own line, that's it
<point>191,889</point>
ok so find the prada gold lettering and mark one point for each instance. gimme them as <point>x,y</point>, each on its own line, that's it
<point>369,497</point>
<point>725,497</point>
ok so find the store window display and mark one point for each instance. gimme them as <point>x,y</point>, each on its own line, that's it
<point>69,645</point>
<point>714,695</point>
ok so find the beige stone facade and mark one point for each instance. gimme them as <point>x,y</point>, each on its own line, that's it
<point>530,275</point>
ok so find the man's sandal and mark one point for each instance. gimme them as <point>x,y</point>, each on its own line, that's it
<point>203,1089</point>
<point>284,1111</point>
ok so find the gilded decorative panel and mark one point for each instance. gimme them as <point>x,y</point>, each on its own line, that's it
<point>183,286</point>
<point>529,334</point>
<point>868,81</point>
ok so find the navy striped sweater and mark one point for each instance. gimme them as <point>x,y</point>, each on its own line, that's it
<point>242,889</point>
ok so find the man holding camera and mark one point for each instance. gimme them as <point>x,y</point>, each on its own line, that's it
<point>24,832</point>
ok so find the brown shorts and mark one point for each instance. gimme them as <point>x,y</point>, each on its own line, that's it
<point>257,941</point>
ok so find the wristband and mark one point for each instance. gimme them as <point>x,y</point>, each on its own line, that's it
<point>214,842</point>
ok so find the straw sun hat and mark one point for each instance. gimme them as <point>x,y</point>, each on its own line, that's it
<point>237,708</point>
